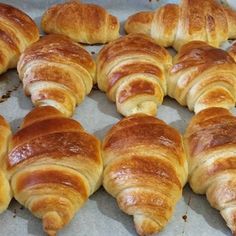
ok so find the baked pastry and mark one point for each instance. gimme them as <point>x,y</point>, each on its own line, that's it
<point>210,141</point>
<point>132,71</point>
<point>145,170</point>
<point>5,190</point>
<point>84,23</point>
<point>203,76</point>
<point>175,25</point>
<point>53,166</point>
<point>17,32</point>
<point>57,71</point>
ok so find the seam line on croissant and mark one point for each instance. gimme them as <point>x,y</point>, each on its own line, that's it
<point>18,171</point>
<point>75,71</point>
<point>22,168</point>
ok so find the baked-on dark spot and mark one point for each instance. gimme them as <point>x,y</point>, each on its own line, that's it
<point>14,213</point>
<point>185,217</point>
<point>5,96</point>
<point>95,87</point>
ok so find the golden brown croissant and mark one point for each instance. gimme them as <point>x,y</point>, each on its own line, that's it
<point>145,170</point>
<point>85,23</point>
<point>5,190</point>
<point>132,71</point>
<point>210,141</point>
<point>203,76</point>
<point>53,166</point>
<point>57,71</point>
<point>175,25</point>
<point>17,32</point>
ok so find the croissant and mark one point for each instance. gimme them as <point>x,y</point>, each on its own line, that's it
<point>132,71</point>
<point>84,23</point>
<point>203,76</point>
<point>210,141</point>
<point>17,32</point>
<point>175,25</point>
<point>5,190</point>
<point>53,166</point>
<point>58,72</point>
<point>145,169</point>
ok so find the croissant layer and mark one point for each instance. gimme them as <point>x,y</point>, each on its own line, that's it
<point>175,25</point>
<point>210,145</point>
<point>53,166</point>
<point>145,169</point>
<point>84,23</point>
<point>132,71</point>
<point>56,71</point>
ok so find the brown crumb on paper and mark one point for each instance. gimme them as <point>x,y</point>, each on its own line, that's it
<point>14,213</point>
<point>7,95</point>
<point>95,87</point>
<point>93,53</point>
<point>185,217</point>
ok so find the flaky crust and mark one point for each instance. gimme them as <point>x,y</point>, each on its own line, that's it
<point>5,139</point>
<point>175,25</point>
<point>210,141</point>
<point>53,166</point>
<point>57,71</point>
<point>85,23</point>
<point>145,170</point>
<point>132,71</point>
<point>203,76</point>
<point>17,32</point>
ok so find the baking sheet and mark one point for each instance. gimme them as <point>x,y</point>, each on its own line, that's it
<point>101,215</point>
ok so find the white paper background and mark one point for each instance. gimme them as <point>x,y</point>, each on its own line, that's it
<point>101,215</point>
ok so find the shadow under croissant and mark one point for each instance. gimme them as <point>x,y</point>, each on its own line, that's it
<point>200,205</point>
<point>24,102</point>
<point>104,104</point>
<point>15,124</point>
<point>107,205</point>
<point>102,132</point>
<point>184,114</point>
<point>34,224</point>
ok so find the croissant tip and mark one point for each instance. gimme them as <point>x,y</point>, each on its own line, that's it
<point>146,226</point>
<point>51,232</point>
<point>52,222</point>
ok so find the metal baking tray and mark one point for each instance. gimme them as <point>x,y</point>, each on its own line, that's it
<point>101,215</point>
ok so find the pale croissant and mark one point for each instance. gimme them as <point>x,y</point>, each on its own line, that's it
<point>132,71</point>
<point>17,32</point>
<point>84,23</point>
<point>57,71</point>
<point>210,141</point>
<point>145,170</point>
<point>203,76</point>
<point>53,166</point>
<point>175,25</point>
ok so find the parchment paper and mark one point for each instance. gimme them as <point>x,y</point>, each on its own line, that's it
<point>100,215</point>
